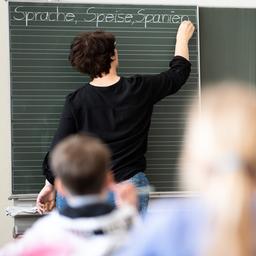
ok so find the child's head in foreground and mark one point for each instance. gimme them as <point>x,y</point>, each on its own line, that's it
<point>81,163</point>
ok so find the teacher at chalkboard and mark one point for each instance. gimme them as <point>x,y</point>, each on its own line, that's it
<point>116,109</point>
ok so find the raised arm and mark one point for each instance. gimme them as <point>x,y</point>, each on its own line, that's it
<point>185,32</point>
<point>169,82</point>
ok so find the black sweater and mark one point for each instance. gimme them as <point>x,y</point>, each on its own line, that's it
<point>120,115</point>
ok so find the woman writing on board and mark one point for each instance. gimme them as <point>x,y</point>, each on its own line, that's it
<point>116,109</point>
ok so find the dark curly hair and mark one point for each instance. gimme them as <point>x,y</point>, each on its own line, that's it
<point>91,52</point>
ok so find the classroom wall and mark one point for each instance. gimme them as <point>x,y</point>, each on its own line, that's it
<point>228,3</point>
<point>6,223</point>
<point>200,3</point>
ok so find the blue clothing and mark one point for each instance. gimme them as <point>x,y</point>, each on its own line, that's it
<point>61,202</point>
<point>138,180</point>
<point>172,229</point>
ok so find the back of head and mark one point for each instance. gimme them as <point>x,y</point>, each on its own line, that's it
<point>92,53</point>
<point>219,159</point>
<point>81,163</point>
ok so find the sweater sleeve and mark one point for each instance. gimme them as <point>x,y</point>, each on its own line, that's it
<point>67,126</point>
<point>168,82</point>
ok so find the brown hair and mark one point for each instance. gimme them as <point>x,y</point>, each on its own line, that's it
<point>91,52</point>
<point>81,163</point>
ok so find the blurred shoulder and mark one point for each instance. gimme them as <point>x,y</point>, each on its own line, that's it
<point>176,212</point>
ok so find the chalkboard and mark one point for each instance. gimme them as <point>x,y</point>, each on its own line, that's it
<point>41,76</point>
<point>227,43</point>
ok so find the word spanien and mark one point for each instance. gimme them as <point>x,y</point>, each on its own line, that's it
<point>141,16</point>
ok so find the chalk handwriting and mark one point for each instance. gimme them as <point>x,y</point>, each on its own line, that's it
<point>29,16</point>
<point>91,15</point>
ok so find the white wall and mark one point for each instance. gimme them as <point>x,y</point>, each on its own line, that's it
<point>6,223</point>
<point>202,3</point>
<point>228,3</point>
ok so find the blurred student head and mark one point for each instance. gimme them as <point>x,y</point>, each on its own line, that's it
<point>219,160</point>
<point>80,164</point>
<point>93,53</point>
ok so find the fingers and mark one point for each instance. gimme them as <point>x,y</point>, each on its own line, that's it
<point>187,24</point>
<point>49,205</point>
<point>185,31</point>
<point>40,208</point>
<point>45,199</point>
<point>45,207</point>
<point>40,205</point>
<point>125,194</point>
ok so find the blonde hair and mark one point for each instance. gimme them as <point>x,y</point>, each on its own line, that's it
<point>219,160</point>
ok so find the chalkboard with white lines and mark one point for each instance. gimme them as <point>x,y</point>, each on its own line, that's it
<point>41,77</point>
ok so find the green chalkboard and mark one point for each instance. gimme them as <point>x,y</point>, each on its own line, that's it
<point>40,36</point>
<point>228,44</point>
